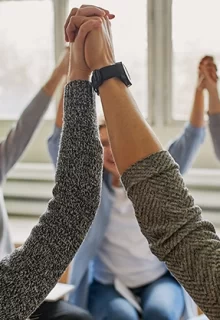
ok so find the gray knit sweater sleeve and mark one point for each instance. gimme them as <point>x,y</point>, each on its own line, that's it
<point>173,225</point>
<point>29,273</point>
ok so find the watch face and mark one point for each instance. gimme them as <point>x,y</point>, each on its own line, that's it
<point>96,80</point>
<point>125,76</point>
<point>126,72</point>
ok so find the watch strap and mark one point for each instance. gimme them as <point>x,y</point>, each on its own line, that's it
<point>116,70</point>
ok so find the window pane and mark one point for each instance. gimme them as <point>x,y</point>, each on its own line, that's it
<point>27,52</point>
<point>194,35</point>
<point>129,25</point>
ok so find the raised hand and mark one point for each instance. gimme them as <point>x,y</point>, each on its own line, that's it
<point>79,24</point>
<point>86,11</point>
<point>77,29</point>
<point>201,77</point>
<point>99,51</point>
<point>208,72</point>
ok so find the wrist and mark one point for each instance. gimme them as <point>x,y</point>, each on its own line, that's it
<point>214,103</point>
<point>213,92</point>
<point>78,75</point>
<point>199,91</point>
<point>101,65</point>
<point>112,83</point>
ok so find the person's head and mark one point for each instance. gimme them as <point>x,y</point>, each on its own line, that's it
<point>109,163</point>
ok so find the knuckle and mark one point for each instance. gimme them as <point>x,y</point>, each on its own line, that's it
<point>73,11</point>
<point>73,19</point>
<point>98,19</point>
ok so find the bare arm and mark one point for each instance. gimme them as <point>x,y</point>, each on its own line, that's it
<point>123,119</point>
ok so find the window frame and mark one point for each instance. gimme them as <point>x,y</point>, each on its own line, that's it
<point>160,39</point>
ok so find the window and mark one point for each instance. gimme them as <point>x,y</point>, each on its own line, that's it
<point>27,55</point>
<point>133,54</point>
<point>167,40</point>
<point>194,26</point>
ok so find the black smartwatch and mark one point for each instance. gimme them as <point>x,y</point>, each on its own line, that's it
<point>116,70</point>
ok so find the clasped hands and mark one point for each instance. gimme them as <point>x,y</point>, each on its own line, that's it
<point>88,30</point>
<point>207,74</point>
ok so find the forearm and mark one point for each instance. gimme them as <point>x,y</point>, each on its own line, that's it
<point>19,136</point>
<point>197,113</point>
<point>30,273</point>
<point>214,127</point>
<point>214,102</point>
<point>174,228</point>
<point>53,82</point>
<point>131,138</point>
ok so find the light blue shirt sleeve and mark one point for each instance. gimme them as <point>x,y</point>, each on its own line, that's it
<point>54,144</point>
<point>185,147</point>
